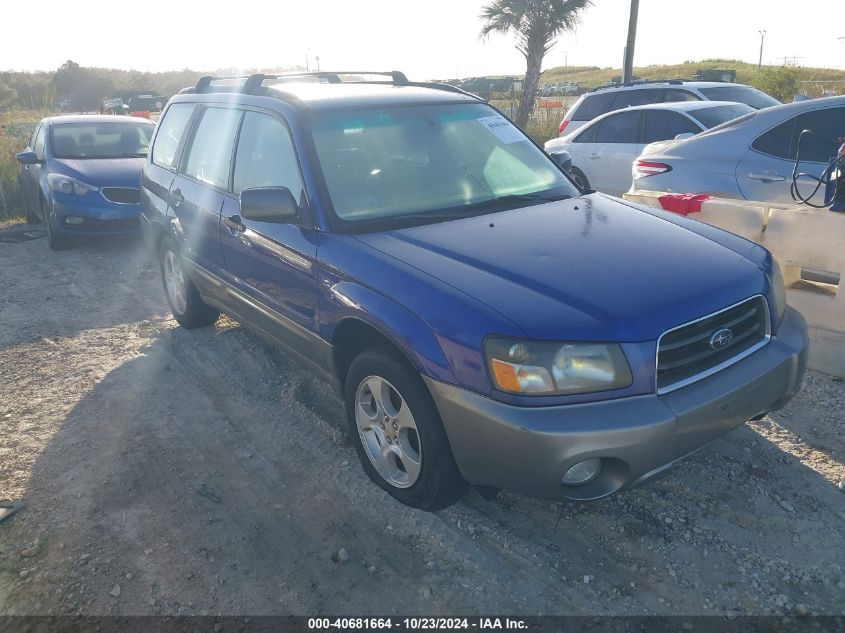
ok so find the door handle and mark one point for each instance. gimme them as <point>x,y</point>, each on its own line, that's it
<point>767,177</point>
<point>178,198</point>
<point>234,223</point>
<point>594,155</point>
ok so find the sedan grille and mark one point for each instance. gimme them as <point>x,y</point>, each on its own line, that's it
<point>692,351</point>
<point>122,195</point>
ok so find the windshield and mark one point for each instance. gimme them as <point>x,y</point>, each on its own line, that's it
<point>441,160</point>
<point>716,115</point>
<point>123,139</point>
<point>742,94</point>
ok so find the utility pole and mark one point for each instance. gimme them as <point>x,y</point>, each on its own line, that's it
<point>628,69</point>
<point>762,37</point>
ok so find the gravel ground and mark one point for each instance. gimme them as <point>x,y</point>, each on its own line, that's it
<point>174,472</point>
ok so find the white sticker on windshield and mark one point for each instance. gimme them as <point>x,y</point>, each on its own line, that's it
<point>504,130</point>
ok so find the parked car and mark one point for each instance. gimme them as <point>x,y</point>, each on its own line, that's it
<point>750,158</point>
<point>606,99</point>
<point>482,319</point>
<point>80,175</point>
<point>603,150</point>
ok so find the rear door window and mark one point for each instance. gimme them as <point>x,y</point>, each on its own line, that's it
<point>643,96</point>
<point>662,125</point>
<point>588,135</point>
<point>619,128</point>
<point>777,142</point>
<point>209,156</point>
<point>170,130</point>
<point>593,106</point>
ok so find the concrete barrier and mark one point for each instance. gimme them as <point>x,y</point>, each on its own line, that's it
<point>810,246</point>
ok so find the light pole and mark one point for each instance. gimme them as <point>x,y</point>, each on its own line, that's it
<point>628,68</point>
<point>762,37</point>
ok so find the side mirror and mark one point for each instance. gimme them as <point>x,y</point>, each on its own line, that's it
<point>684,136</point>
<point>563,159</point>
<point>27,158</point>
<point>269,204</point>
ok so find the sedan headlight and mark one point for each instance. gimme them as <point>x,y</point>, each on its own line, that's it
<point>65,184</point>
<point>778,290</point>
<point>546,368</point>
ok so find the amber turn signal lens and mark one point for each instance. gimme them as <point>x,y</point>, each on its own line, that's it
<point>505,375</point>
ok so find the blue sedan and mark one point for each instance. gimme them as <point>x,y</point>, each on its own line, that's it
<point>80,175</point>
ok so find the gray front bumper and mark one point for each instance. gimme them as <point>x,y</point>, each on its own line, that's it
<point>528,449</point>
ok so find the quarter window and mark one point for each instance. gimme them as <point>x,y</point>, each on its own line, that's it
<point>171,127</point>
<point>266,156</point>
<point>210,153</point>
<point>675,94</point>
<point>628,98</point>
<point>593,106</point>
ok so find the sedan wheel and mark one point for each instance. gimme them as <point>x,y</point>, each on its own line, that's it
<point>388,432</point>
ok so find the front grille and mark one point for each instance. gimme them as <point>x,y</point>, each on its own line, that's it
<point>122,195</point>
<point>700,348</point>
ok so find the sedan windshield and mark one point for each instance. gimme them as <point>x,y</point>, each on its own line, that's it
<point>716,115</point>
<point>742,94</point>
<point>121,139</point>
<point>434,162</point>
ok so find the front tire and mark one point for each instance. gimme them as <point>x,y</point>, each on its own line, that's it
<point>184,299</point>
<point>55,240</point>
<point>580,179</point>
<point>31,216</point>
<point>398,434</point>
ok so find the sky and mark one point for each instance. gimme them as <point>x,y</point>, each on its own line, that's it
<point>433,39</point>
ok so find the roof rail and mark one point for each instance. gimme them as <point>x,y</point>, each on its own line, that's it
<point>251,84</point>
<point>628,84</point>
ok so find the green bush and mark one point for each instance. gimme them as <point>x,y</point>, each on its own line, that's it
<point>13,139</point>
<point>779,81</point>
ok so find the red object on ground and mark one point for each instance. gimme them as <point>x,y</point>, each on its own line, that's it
<point>683,203</point>
<point>140,113</point>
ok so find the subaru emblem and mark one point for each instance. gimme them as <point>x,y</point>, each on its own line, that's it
<point>720,339</point>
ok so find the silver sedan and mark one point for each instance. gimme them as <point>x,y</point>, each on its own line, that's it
<point>750,158</point>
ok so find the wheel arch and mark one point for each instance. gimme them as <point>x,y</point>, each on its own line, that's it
<point>394,327</point>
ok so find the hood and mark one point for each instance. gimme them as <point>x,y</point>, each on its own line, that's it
<point>103,172</point>
<point>588,268</point>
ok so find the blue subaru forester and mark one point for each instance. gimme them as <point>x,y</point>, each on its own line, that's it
<point>484,321</point>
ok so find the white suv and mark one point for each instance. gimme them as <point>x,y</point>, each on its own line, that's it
<point>603,100</point>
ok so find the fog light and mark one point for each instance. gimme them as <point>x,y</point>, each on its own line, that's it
<point>582,472</point>
<point>74,219</point>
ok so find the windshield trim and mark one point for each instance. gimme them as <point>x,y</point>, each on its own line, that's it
<point>338,225</point>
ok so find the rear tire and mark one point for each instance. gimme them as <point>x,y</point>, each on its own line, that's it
<point>184,299</point>
<point>580,179</point>
<point>397,432</point>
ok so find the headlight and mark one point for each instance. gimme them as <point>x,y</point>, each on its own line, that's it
<point>545,368</point>
<point>778,290</point>
<point>68,185</point>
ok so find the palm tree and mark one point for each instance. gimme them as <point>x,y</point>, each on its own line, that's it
<point>537,24</point>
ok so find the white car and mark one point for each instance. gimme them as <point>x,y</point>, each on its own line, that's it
<point>602,100</point>
<point>603,150</point>
<point>751,158</point>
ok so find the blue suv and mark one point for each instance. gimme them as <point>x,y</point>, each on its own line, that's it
<point>484,321</point>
